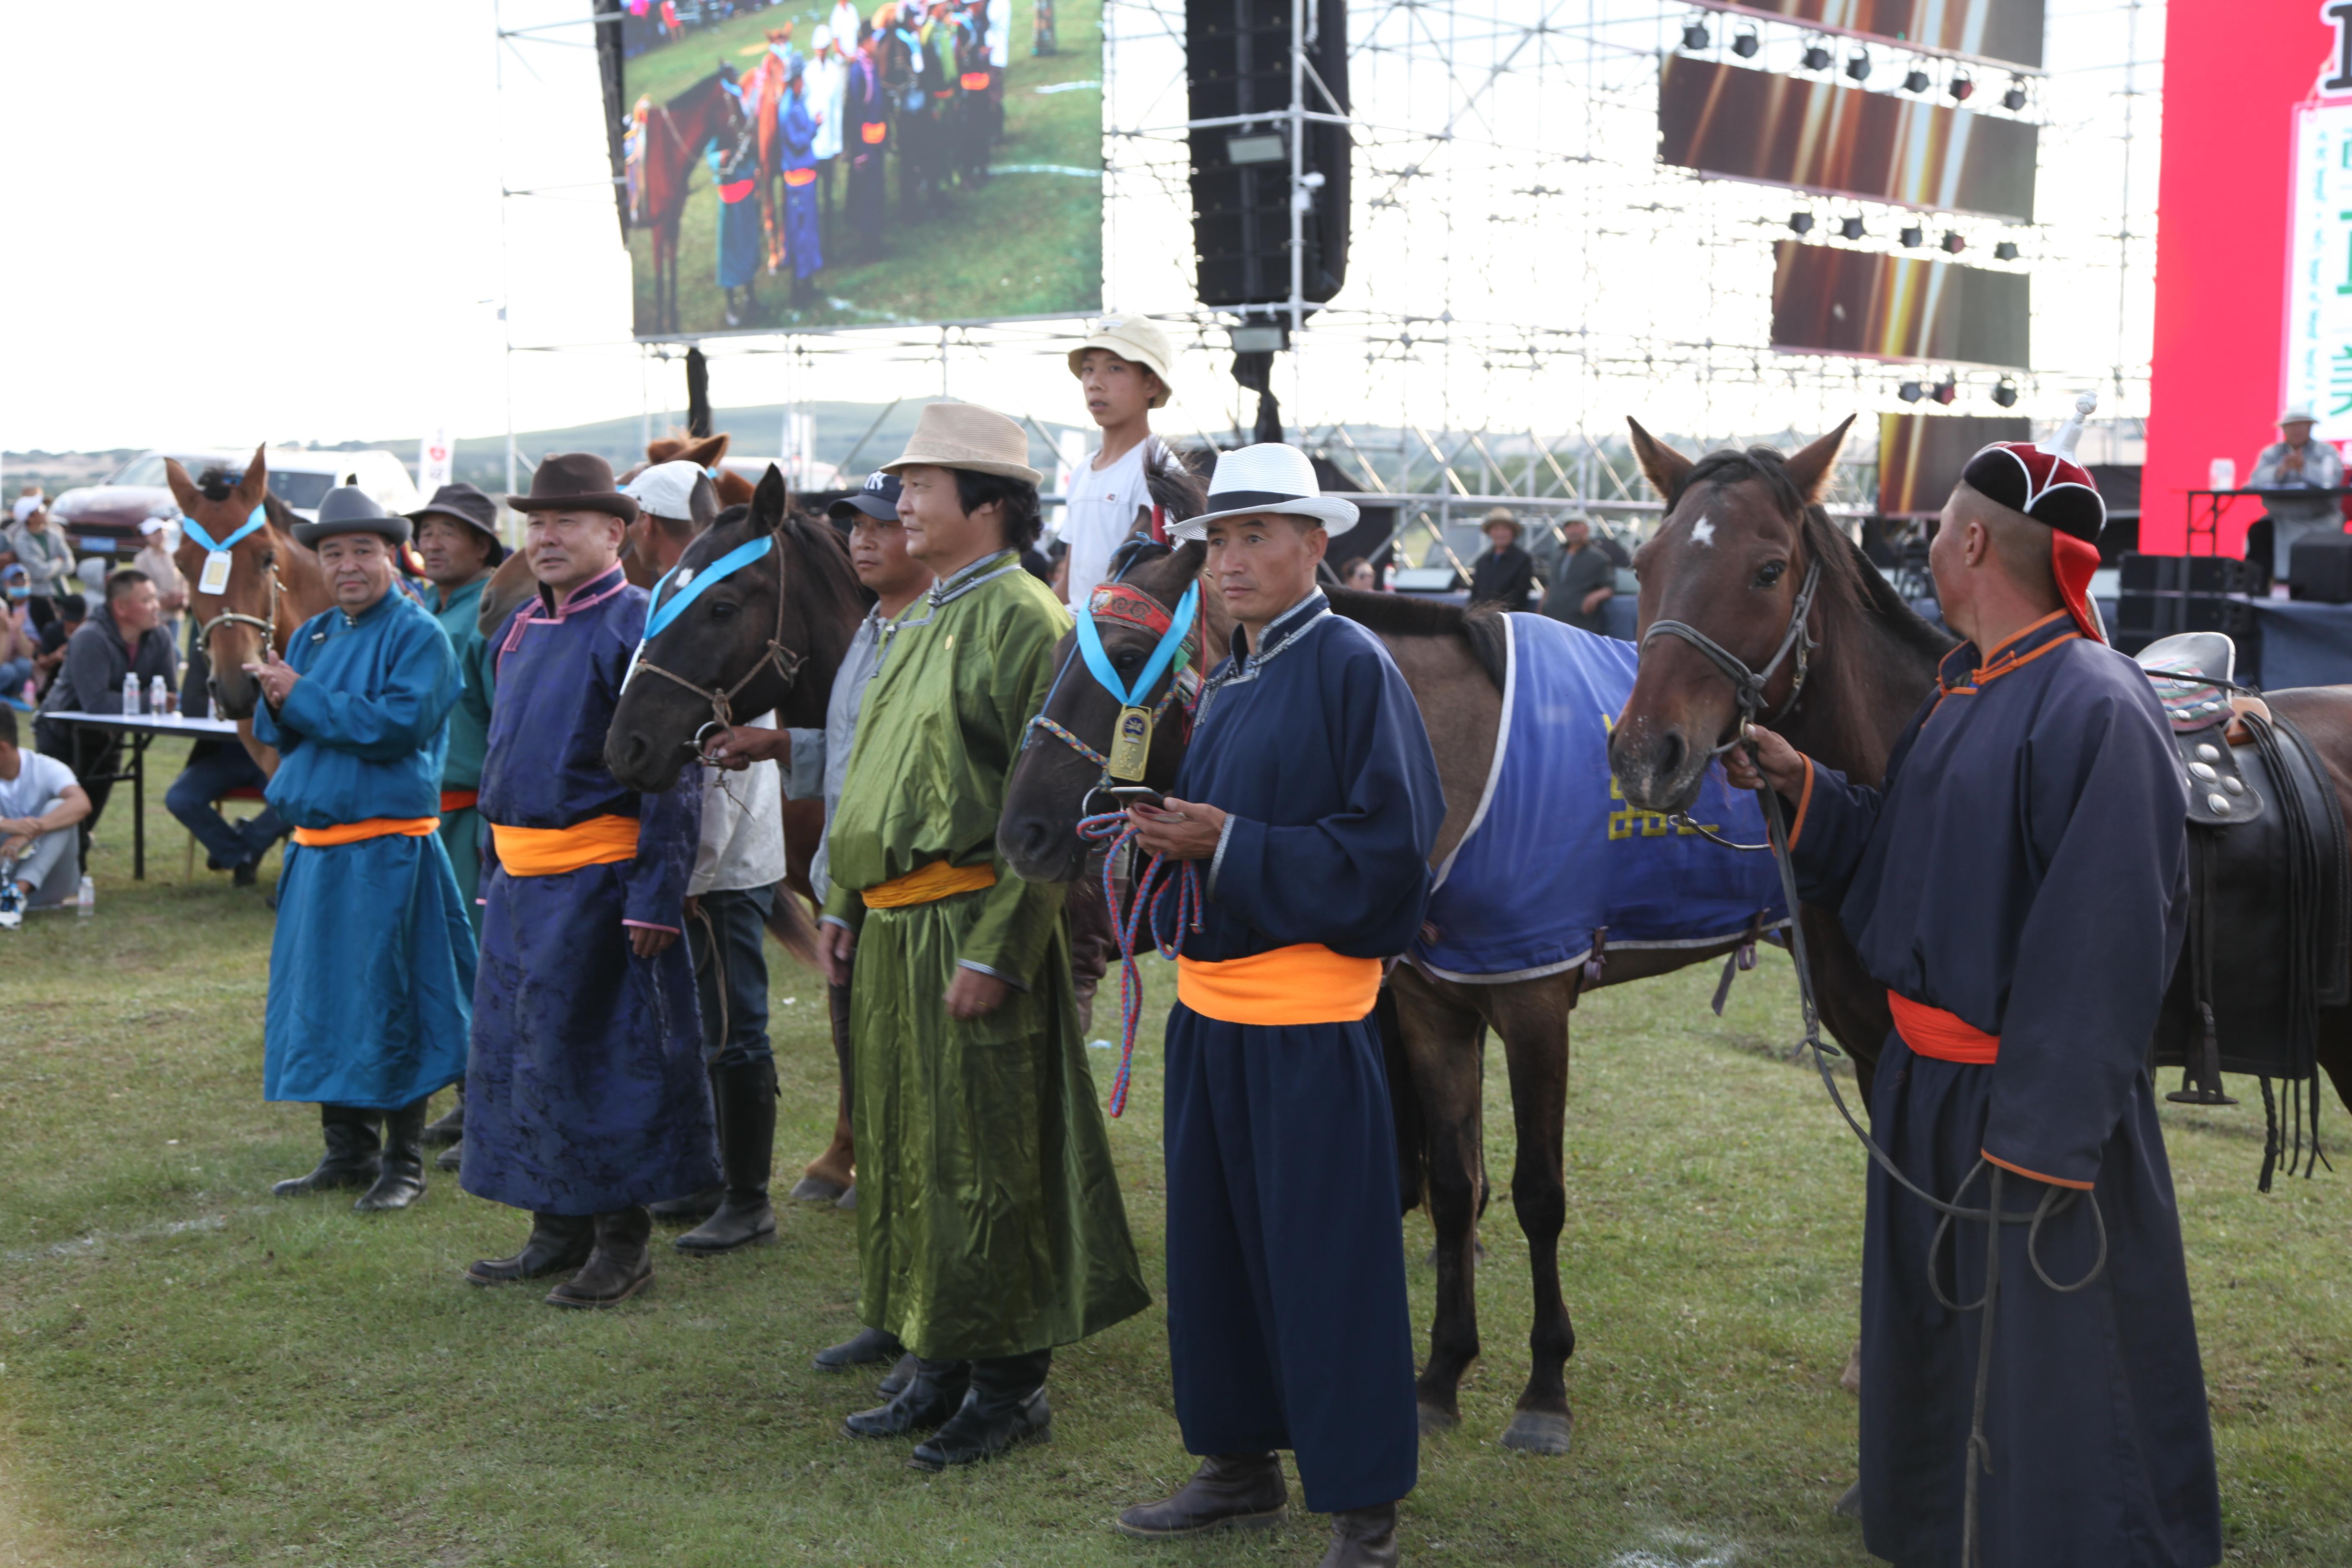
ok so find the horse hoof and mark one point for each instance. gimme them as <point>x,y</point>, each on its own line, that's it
<point>1540,1432</point>
<point>1849,1502</point>
<point>818,1190</point>
<point>1435,1420</point>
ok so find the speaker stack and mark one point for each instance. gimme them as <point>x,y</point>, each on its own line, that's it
<point>2163,594</point>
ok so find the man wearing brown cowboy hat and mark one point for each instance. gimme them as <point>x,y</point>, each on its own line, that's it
<point>1504,573</point>
<point>990,1228</point>
<point>585,1097</point>
<point>457,535</point>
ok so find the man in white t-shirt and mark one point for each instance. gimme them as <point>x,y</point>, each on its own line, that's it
<point>1123,368</point>
<point>40,852</point>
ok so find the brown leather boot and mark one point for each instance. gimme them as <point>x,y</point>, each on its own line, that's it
<point>1229,1491</point>
<point>1363,1538</point>
<point>620,1266</point>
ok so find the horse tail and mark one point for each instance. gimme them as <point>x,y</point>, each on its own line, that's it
<point>1404,1107</point>
<point>794,929</point>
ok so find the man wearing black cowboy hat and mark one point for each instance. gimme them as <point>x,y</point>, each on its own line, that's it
<point>457,535</point>
<point>372,964</point>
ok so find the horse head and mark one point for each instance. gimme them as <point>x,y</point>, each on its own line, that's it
<point>1054,782</point>
<point>1740,549</point>
<point>235,611</point>
<point>755,617</point>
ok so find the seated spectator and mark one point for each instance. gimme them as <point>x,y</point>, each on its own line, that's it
<point>1504,573</point>
<point>49,654</point>
<point>160,536</point>
<point>40,852</point>
<point>121,638</point>
<point>1584,581</point>
<point>214,768</point>
<point>19,643</point>
<point>1357,573</point>
<point>41,549</point>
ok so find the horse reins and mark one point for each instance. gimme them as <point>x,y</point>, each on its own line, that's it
<point>785,662</point>
<point>1747,692</point>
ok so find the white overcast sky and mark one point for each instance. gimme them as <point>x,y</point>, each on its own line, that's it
<point>284,225</point>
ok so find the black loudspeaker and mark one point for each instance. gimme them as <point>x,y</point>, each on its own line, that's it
<point>2186,573</point>
<point>2321,568</point>
<point>1237,55</point>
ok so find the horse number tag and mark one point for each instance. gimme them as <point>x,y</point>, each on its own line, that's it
<point>1130,744</point>
<point>215,574</point>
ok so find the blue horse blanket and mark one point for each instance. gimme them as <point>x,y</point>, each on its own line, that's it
<point>1556,853</point>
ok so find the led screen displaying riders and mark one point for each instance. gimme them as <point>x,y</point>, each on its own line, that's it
<point>814,163</point>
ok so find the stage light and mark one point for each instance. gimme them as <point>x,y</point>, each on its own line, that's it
<point>2014,99</point>
<point>1913,236</point>
<point>2005,394</point>
<point>1916,81</point>
<point>1801,222</point>
<point>1946,391</point>
<point>1961,89</point>
<point>1744,46</point>
<point>2005,251</point>
<point>1857,64</point>
<point>1910,392</point>
<point>1851,229</point>
<point>1953,243</point>
<point>1695,34</point>
<point>1816,57</point>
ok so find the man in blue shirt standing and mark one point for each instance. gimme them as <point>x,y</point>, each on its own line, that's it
<point>371,968</point>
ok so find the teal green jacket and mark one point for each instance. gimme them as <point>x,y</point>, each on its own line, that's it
<point>469,721</point>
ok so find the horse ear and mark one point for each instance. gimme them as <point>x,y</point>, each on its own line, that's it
<point>1665,466</point>
<point>772,500</point>
<point>1810,468</point>
<point>183,490</point>
<point>255,483</point>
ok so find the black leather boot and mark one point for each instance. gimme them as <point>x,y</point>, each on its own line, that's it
<point>901,1373</point>
<point>1229,1491</point>
<point>559,1244</point>
<point>445,1130</point>
<point>400,1178</point>
<point>350,1160</point>
<point>1363,1538</point>
<point>620,1266</point>
<point>867,1347</point>
<point>936,1389</point>
<point>697,1207</point>
<point>1005,1408</point>
<point>747,1145</point>
<point>453,1158</point>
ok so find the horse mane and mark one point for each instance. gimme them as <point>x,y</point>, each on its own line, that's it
<point>1843,561</point>
<point>1398,614</point>
<point>817,546</point>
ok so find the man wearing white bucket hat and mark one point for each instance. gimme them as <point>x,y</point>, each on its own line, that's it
<point>1310,798</point>
<point>1122,367</point>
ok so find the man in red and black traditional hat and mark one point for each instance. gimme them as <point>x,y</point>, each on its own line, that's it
<point>2019,885</point>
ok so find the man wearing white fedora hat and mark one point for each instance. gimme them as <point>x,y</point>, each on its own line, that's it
<point>989,1226</point>
<point>1310,796</point>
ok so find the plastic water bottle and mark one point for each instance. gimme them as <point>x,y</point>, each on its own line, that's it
<point>129,696</point>
<point>157,698</point>
<point>85,899</point>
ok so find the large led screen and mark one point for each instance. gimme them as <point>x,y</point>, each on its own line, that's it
<point>1920,457</point>
<point>804,164</point>
<point>2008,31</point>
<point>1827,300</point>
<point>1818,136</point>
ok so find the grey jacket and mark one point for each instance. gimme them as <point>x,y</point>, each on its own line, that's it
<point>91,680</point>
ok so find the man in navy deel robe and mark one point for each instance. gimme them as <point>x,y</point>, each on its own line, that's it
<point>1312,799</point>
<point>2020,886</point>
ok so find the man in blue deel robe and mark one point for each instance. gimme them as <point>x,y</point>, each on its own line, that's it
<point>585,1097</point>
<point>2019,884</point>
<point>371,965</point>
<point>798,129</point>
<point>1309,801</point>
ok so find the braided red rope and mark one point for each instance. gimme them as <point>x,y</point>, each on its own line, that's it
<point>1114,826</point>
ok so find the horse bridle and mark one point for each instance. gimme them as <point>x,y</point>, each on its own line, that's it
<point>785,662</point>
<point>268,628</point>
<point>1748,683</point>
<point>1040,721</point>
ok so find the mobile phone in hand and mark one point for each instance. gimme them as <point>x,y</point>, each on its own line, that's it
<point>1140,794</point>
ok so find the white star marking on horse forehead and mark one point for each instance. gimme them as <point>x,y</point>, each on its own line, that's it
<point>1703,532</point>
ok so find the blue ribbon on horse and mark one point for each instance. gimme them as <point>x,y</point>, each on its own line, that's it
<point>1162,655</point>
<point>726,567</point>
<point>196,531</point>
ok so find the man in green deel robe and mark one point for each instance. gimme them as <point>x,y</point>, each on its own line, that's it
<point>990,1228</point>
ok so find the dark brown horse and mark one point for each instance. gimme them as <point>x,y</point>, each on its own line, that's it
<point>1452,659</point>
<point>1740,534</point>
<point>676,133</point>
<point>274,583</point>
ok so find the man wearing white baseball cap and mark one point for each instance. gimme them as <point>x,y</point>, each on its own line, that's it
<point>2298,463</point>
<point>1122,367</point>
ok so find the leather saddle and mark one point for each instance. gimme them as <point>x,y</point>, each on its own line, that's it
<point>2270,911</point>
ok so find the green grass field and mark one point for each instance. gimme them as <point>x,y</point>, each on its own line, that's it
<point>192,1372</point>
<point>1027,242</point>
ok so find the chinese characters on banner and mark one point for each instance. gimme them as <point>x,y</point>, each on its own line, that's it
<point>2319,270</point>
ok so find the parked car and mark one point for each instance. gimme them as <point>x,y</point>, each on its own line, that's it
<point>103,518</point>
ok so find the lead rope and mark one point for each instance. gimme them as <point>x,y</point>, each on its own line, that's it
<point>1114,828</point>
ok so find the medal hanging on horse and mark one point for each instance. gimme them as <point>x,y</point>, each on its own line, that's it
<point>214,579</point>
<point>1130,736</point>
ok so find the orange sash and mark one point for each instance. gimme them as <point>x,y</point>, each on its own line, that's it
<point>459,799</point>
<point>1932,1032</point>
<point>374,828</point>
<point>551,851</point>
<point>872,131</point>
<point>797,177</point>
<point>975,82</point>
<point>1306,984</point>
<point>928,884</point>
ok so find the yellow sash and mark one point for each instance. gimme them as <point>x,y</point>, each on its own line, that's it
<point>925,884</point>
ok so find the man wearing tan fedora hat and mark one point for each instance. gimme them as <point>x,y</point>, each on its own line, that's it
<point>989,1226</point>
<point>1503,573</point>
<point>585,1094</point>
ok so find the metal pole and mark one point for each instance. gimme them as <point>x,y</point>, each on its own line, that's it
<point>1297,164</point>
<point>506,327</point>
